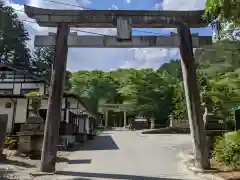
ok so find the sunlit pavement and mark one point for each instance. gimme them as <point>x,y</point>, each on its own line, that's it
<point>129,155</point>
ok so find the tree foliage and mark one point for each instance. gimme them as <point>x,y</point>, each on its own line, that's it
<point>219,69</point>
<point>226,10</point>
<point>224,15</point>
<point>42,63</point>
<point>13,37</point>
<point>148,91</point>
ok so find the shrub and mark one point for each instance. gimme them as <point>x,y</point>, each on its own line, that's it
<point>6,142</point>
<point>227,149</point>
<point>11,143</point>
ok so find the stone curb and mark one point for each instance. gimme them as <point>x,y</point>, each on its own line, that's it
<point>208,174</point>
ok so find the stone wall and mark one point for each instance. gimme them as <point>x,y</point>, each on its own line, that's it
<point>179,123</point>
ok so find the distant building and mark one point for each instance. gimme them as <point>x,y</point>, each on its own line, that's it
<point>16,83</point>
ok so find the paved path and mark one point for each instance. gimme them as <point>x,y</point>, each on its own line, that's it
<point>126,155</point>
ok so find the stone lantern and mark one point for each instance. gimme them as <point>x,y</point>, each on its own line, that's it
<point>31,133</point>
<point>213,125</point>
<point>152,122</point>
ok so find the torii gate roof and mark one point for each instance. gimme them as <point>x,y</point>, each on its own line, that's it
<point>107,18</point>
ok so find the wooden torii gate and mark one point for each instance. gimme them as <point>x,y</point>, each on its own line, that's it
<point>124,21</point>
<point>125,108</point>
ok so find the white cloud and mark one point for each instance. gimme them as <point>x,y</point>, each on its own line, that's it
<point>105,59</point>
<point>113,7</point>
<point>183,4</point>
<point>128,1</point>
<point>158,6</point>
<point>150,57</point>
<point>85,2</point>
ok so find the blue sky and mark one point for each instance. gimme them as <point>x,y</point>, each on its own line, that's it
<point>109,59</point>
<point>105,4</point>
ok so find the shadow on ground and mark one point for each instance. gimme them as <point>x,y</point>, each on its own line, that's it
<point>104,142</point>
<point>62,159</point>
<point>167,130</point>
<point>18,163</point>
<point>80,161</point>
<point>81,175</point>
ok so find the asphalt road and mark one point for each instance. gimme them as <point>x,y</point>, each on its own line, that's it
<point>129,155</point>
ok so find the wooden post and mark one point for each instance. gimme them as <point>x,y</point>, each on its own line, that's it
<point>193,98</point>
<point>124,118</point>
<point>106,118</point>
<point>51,133</point>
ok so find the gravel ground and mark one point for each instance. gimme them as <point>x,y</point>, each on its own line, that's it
<point>115,155</point>
<point>126,155</point>
<point>18,168</point>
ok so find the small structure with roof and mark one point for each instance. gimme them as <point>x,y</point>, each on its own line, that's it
<point>15,83</point>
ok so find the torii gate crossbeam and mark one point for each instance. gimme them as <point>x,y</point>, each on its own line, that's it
<point>75,41</point>
<point>124,21</point>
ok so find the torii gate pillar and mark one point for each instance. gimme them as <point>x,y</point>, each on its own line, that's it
<point>106,119</point>
<point>124,118</point>
<point>51,132</point>
<point>192,95</point>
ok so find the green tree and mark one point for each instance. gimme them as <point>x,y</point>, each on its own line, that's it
<point>226,10</point>
<point>224,16</point>
<point>42,63</point>
<point>218,70</point>
<point>13,37</point>
<point>96,86</point>
<point>150,92</point>
<point>43,59</point>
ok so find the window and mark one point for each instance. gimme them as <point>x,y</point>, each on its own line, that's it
<point>26,91</point>
<point>6,91</point>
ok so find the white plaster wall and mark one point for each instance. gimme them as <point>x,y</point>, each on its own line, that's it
<point>17,80</point>
<point>17,86</point>
<point>87,125</point>
<point>67,115</point>
<point>73,102</point>
<point>81,125</point>
<point>6,85</point>
<point>8,111</point>
<point>33,86</point>
<point>62,115</point>
<point>45,104</point>
<point>21,111</point>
